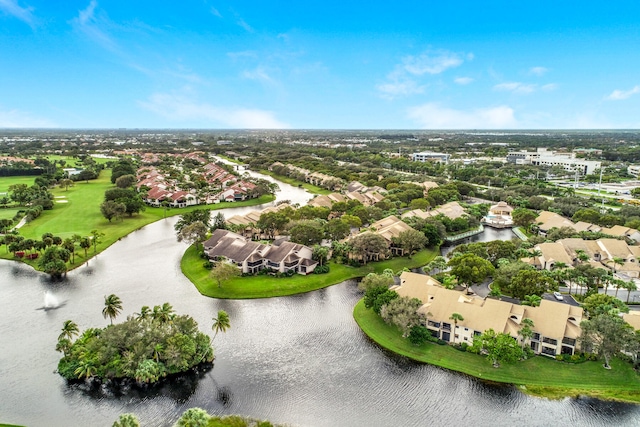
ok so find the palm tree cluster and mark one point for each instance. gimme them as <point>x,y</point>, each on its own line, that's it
<point>146,347</point>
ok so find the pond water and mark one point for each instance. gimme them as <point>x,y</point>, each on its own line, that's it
<point>300,360</point>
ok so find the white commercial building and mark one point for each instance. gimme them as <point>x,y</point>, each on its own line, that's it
<point>430,156</point>
<point>544,157</point>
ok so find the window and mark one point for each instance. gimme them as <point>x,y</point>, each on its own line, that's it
<point>446,326</point>
<point>536,336</point>
<point>550,341</point>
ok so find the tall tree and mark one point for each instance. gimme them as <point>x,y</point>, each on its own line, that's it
<point>220,323</point>
<point>606,335</point>
<point>320,254</point>
<point>69,330</point>
<point>112,307</point>
<point>202,215</point>
<point>224,271</point>
<point>402,312</point>
<point>411,241</point>
<point>195,232</point>
<point>96,236</point>
<point>526,332</point>
<point>470,269</point>
<point>456,317</point>
<point>365,245</point>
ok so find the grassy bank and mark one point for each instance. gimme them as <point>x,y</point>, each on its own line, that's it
<point>313,189</point>
<point>77,211</point>
<point>539,376</point>
<point>270,286</point>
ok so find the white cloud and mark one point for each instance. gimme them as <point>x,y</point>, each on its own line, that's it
<point>178,108</point>
<point>242,23</point>
<point>463,80</point>
<point>90,25</point>
<point>259,74</point>
<point>434,116</point>
<point>21,119</point>
<point>431,62</point>
<point>538,71</point>
<point>397,88</point>
<point>618,95</point>
<point>215,12</point>
<point>549,87</point>
<point>515,87</point>
<point>401,81</point>
<point>11,7</point>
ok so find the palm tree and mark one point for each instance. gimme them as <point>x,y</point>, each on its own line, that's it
<point>144,312</point>
<point>69,329</point>
<point>112,307</point>
<point>536,254</point>
<point>85,244</point>
<point>526,332</point>
<point>531,300</point>
<point>455,317</point>
<point>617,283</point>
<point>220,323</point>
<point>617,261</point>
<point>166,312</point>
<point>582,255</point>
<point>96,235</point>
<point>157,350</point>
<point>86,369</point>
<point>630,286</point>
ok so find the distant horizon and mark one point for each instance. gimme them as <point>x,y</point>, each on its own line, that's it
<point>218,64</point>
<point>27,129</point>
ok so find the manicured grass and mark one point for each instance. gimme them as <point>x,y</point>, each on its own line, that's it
<point>8,213</point>
<point>313,189</point>
<point>538,376</point>
<point>7,181</point>
<point>81,214</point>
<point>270,286</point>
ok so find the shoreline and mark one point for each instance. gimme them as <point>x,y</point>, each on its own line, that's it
<point>538,376</point>
<point>251,287</point>
<point>150,219</point>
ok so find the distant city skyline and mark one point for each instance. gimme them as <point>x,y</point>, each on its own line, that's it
<point>205,64</point>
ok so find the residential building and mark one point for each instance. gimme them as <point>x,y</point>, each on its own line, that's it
<point>556,325</point>
<point>251,257</point>
<point>499,216</point>
<point>451,210</point>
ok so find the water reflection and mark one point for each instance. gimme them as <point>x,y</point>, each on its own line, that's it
<point>300,360</point>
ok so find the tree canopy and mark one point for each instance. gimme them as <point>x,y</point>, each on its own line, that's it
<point>144,348</point>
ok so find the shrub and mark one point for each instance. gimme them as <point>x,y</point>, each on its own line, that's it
<point>207,265</point>
<point>321,269</point>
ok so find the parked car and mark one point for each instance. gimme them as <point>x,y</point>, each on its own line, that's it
<point>558,296</point>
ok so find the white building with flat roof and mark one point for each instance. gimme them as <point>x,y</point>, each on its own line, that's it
<point>544,157</point>
<point>430,156</point>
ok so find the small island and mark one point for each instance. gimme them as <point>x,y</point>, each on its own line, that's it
<point>146,347</point>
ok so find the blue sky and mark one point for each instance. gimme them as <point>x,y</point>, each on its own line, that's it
<point>320,65</point>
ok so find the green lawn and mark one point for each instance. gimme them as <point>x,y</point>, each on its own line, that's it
<point>7,181</point>
<point>76,211</point>
<point>270,286</point>
<point>8,213</point>
<point>313,189</point>
<point>539,376</point>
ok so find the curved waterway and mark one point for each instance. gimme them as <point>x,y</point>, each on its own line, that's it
<point>300,360</point>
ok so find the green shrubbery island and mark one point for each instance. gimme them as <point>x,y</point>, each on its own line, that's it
<point>145,348</point>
